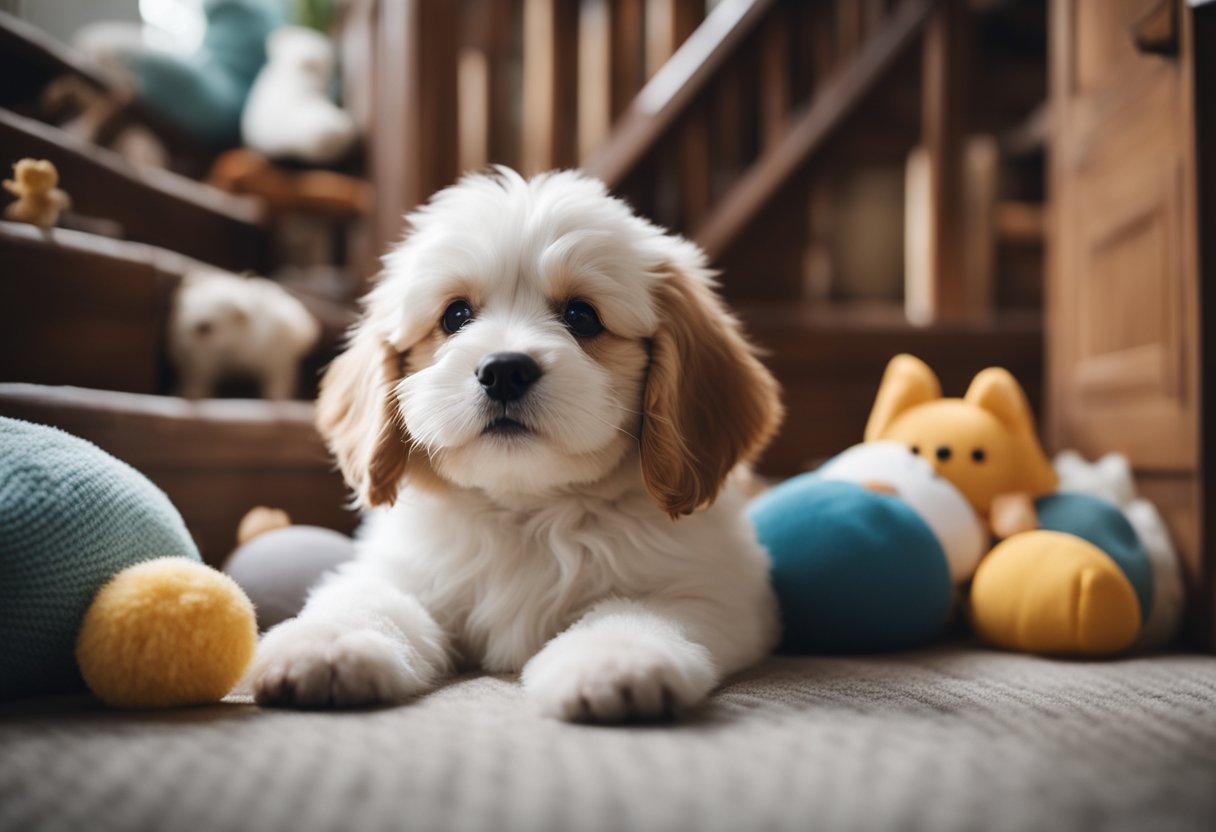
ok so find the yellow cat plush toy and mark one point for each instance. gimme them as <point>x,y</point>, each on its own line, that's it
<point>1040,590</point>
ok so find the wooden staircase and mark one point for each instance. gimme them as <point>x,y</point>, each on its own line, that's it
<point>718,125</point>
<point>83,312</point>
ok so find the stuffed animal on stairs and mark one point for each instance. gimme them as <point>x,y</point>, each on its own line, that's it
<point>39,200</point>
<point>101,583</point>
<point>222,324</point>
<point>288,114</point>
<point>201,91</point>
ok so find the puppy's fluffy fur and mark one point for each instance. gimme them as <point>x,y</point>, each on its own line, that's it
<point>604,550</point>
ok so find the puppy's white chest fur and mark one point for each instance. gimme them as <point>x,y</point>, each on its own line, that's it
<point>503,580</point>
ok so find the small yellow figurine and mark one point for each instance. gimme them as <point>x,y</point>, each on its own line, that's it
<point>38,200</point>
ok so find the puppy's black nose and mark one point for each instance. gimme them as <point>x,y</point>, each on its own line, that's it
<point>505,376</point>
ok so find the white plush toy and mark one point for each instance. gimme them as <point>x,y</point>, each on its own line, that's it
<point>890,466</point>
<point>222,324</point>
<point>1111,479</point>
<point>288,114</point>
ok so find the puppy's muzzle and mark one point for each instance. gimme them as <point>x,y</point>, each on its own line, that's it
<point>506,376</point>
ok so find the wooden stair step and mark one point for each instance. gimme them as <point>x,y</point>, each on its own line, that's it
<point>63,289</point>
<point>30,59</point>
<point>152,205</point>
<point>215,459</point>
<point>830,358</point>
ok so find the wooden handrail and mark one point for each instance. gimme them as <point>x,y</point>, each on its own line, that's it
<point>675,86</point>
<point>435,85</point>
<point>827,111</point>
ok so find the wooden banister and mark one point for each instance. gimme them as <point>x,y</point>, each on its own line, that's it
<point>532,84</point>
<point>827,110</point>
<point>550,94</point>
<point>674,87</point>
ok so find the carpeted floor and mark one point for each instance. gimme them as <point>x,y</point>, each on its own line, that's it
<point>946,739</point>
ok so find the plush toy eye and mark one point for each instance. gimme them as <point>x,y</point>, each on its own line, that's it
<point>579,316</point>
<point>458,313</point>
<point>943,452</point>
<point>915,449</point>
<point>978,455</point>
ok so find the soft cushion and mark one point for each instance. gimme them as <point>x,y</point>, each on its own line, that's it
<point>1105,526</point>
<point>71,516</point>
<point>853,570</point>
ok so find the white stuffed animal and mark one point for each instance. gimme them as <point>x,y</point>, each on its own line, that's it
<point>1111,479</point>
<point>890,466</point>
<point>288,114</point>
<point>222,324</point>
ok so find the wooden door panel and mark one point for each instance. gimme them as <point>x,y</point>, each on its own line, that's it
<point>1100,44</point>
<point>1121,338</point>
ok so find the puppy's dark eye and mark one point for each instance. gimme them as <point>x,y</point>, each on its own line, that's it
<point>579,316</point>
<point>978,455</point>
<point>915,449</point>
<point>943,453</point>
<point>458,313</point>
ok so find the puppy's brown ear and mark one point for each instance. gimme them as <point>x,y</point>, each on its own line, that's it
<point>709,403</point>
<point>359,419</point>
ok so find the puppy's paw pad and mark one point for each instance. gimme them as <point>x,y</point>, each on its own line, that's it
<point>615,682</point>
<point>307,665</point>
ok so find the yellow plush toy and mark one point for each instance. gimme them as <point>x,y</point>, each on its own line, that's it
<point>1050,590</point>
<point>39,201</point>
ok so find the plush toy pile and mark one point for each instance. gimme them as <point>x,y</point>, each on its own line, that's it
<point>871,551</point>
<point>100,582</point>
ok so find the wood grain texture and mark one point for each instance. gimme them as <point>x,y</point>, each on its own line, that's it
<point>833,102</point>
<point>830,360</point>
<point>1127,369</point>
<point>151,205</point>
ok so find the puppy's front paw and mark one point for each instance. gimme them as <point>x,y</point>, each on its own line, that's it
<point>601,678</point>
<point>314,664</point>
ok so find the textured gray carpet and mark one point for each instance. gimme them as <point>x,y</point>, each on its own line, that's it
<point>937,740</point>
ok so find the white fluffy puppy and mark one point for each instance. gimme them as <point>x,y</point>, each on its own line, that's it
<point>222,324</point>
<point>546,401</point>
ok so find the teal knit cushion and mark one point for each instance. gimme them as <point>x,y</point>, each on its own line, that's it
<point>71,516</point>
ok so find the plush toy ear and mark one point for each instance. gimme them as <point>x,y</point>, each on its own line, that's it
<point>998,392</point>
<point>907,382</point>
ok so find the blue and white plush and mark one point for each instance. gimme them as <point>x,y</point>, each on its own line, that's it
<point>867,551</point>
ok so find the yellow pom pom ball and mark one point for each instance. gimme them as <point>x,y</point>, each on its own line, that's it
<point>166,632</point>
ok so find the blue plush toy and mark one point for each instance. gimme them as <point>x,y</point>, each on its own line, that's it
<point>204,91</point>
<point>867,551</point>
